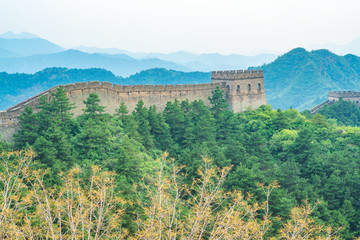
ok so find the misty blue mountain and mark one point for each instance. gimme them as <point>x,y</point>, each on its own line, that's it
<point>119,64</point>
<point>302,79</point>
<point>298,79</point>
<point>29,46</point>
<point>27,53</point>
<point>194,62</point>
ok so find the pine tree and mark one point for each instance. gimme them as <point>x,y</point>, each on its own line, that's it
<point>174,117</point>
<point>93,109</point>
<point>160,130</point>
<point>60,108</point>
<point>29,129</point>
<point>204,123</point>
<point>218,102</point>
<point>94,142</point>
<point>141,116</point>
<point>122,111</point>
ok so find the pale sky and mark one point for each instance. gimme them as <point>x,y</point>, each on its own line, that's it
<point>227,26</point>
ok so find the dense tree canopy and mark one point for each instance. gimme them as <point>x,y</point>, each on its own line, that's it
<point>345,112</point>
<point>311,159</point>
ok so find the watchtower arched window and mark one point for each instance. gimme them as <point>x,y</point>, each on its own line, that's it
<point>228,88</point>
<point>249,87</point>
<point>238,88</point>
<point>259,86</point>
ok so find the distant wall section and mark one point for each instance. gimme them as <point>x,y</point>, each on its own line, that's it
<point>350,96</point>
<point>112,95</point>
<point>333,97</point>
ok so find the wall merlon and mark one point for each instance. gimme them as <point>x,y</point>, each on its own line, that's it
<point>127,88</point>
<point>94,84</point>
<point>107,85</point>
<point>344,94</point>
<point>202,86</point>
<point>118,87</point>
<point>137,87</point>
<point>81,85</point>
<point>69,87</point>
<point>161,87</point>
<point>149,87</point>
<point>170,87</point>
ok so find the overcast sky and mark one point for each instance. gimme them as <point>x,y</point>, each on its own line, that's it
<point>226,26</point>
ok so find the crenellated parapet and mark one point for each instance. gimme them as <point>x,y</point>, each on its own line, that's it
<point>83,86</point>
<point>344,94</point>
<point>350,96</point>
<point>243,89</point>
<point>236,75</point>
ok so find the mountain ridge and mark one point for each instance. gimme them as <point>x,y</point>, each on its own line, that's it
<point>119,64</point>
<point>303,78</point>
<point>29,46</point>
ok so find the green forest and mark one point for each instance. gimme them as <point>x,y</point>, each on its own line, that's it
<point>187,172</point>
<point>346,113</point>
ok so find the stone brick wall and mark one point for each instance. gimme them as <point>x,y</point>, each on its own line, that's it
<point>350,96</point>
<point>243,89</point>
<point>112,95</point>
<point>345,95</point>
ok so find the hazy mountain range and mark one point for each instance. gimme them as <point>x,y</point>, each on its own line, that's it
<point>299,79</point>
<point>192,61</point>
<point>352,47</point>
<point>119,64</point>
<point>27,53</point>
<point>25,44</point>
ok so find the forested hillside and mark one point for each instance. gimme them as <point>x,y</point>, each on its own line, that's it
<point>302,79</point>
<point>310,159</point>
<point>345,113</point>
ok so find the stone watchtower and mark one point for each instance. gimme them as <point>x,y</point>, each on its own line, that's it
<point>243,89</point>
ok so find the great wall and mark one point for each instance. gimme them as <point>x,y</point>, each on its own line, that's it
<point>242,89</point>
<point>350,96</point>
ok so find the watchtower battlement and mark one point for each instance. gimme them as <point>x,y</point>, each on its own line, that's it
<point>350,96</point>
<point>236,75</point>
<point>243,88</point>
<point>344,94</point>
